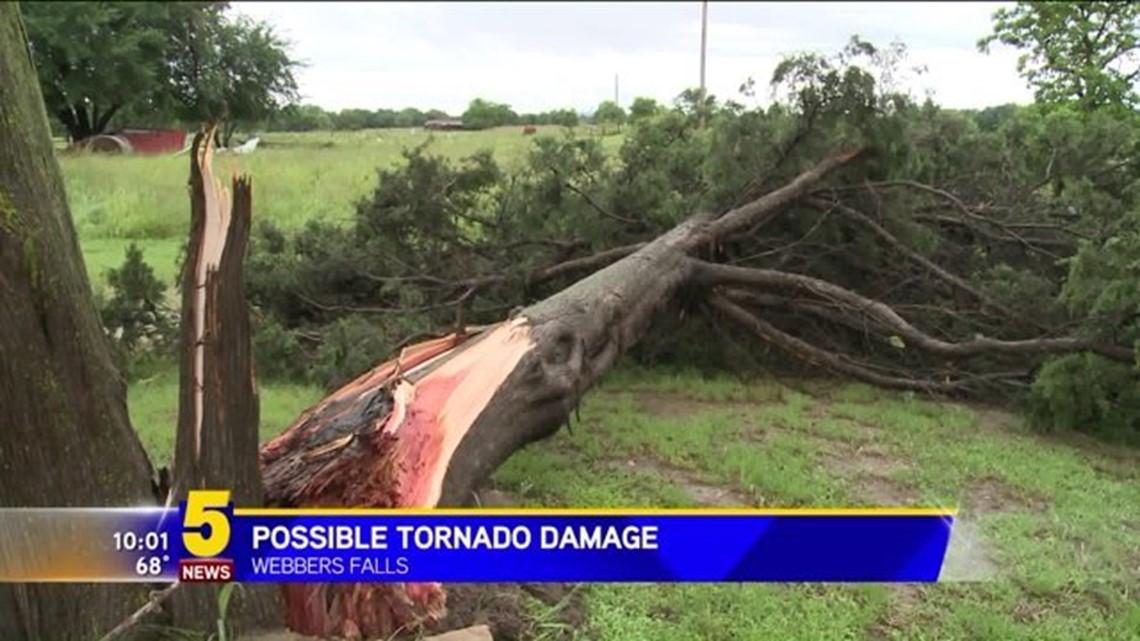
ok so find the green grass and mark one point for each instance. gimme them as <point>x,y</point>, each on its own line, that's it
<point>104,254</point>
<point>297,177</point>
<point>153,404</point>
<point>1066,540</point>
<point>1059,518</point>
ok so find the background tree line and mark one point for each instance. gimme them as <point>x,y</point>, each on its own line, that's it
<point>481,113</point>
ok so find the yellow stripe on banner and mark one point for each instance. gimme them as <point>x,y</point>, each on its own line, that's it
<point>839,511</point>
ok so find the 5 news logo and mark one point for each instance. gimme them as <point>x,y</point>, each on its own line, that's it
<point>205,535</point>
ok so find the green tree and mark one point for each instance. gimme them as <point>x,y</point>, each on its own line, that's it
<point>187,61</point>
<point>352,119</point>
<point>93,58</point>
<point>1074,51</point>
<point>563,117</point>
<point>483,114</point>
<point>642,108</point>
<point>992,118</point>
<point>384,118</point>
<point>609,112</point>
<point>410,117</point>
<point>255,76</point>
<point>303,118</point>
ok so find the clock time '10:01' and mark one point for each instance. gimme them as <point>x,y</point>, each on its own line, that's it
<point>151,541</point>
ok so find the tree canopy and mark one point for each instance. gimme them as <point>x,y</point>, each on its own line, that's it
<point>482,114</point>
<point>1074,51</point>
<point>609,112</point>
<point>643,107</point>
<point>189,62</point>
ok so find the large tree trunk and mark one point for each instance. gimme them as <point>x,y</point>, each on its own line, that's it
<point>65,437</point>
<point>217,441</point>
<point>426,429</point>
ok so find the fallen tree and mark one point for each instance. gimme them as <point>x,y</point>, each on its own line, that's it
<point>426,428</point>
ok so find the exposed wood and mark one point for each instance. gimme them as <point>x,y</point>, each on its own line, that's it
<point>217,441</point>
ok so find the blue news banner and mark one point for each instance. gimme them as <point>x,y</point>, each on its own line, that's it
<point>889,545</point>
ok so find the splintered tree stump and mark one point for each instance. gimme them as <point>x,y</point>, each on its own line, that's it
<point>218,414</point>
<point>426,428</point>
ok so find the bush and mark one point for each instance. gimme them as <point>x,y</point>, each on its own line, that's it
<point>1087,393</point>
<point>276,350</point>
<point>135,315</point>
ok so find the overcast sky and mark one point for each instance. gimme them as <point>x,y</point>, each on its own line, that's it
<point>539,56</point>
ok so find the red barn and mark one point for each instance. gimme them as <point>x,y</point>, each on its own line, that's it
<point>154,141</point>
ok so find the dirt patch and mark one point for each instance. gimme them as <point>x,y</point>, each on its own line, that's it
<point>881,491</point>
<point>873,459</point>
<point>701,493</point>
<point>511,611</point>
<point>906,599</point>
<point>867,469</point>
<point>1107,459</point>
<point>674,406</point>
<point>663,405</point>
<point>991,495</point>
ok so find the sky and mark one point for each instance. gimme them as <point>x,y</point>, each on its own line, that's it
<point>548,55</point>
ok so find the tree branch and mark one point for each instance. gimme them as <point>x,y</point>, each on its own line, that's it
<point>156,599</point>
<point>769,204</point>
<point>816,356</point>
<point>598,208</point>
<point>917,258</point>
<point>712,275</point>
<point>600,259</point>
<point>962,207</point>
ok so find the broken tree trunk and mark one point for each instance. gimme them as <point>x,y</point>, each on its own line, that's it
<point>217,440</point>
<point>425,429</point>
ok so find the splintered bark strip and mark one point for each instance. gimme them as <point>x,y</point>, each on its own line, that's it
<point>217,443</point>
<point>211,247</point>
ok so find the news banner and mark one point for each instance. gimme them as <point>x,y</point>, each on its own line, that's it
<point>207,539</point>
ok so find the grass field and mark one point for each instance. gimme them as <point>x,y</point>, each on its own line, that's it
<point>297,177</point>
<point>1048,545</point>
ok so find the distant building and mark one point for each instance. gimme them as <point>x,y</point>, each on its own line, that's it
<point>154,141</point>
<point>136,140</point>
<point>443,124</point>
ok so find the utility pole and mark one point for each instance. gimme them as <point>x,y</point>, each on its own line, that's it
<point>704,47</point>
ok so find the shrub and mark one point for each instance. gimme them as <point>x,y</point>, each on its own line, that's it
<point>135,315</point>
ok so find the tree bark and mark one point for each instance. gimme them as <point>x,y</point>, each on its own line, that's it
<point>425,429</point>
<point>65,437</point>
<point>217,440</point>
<point>104,119</point>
